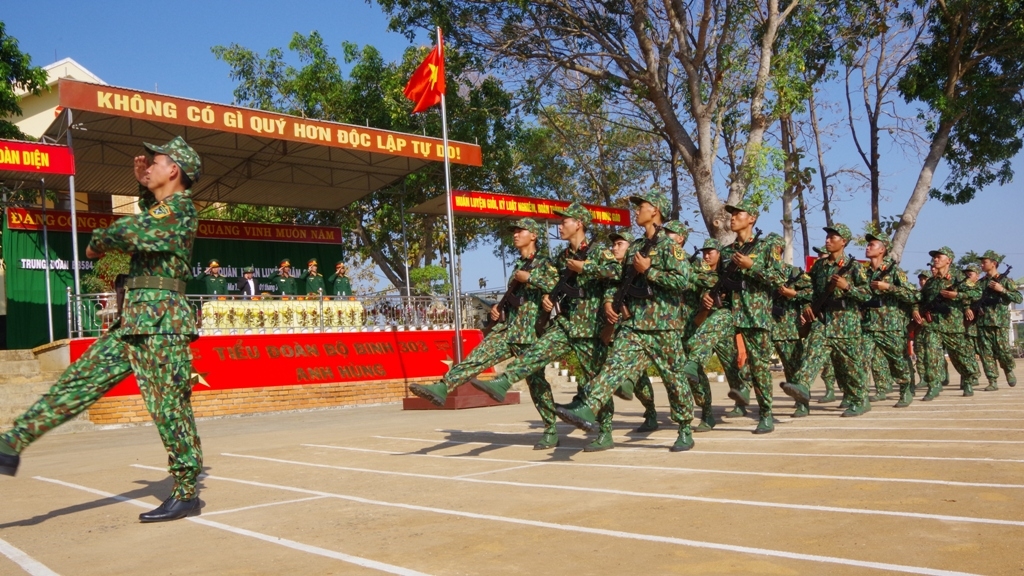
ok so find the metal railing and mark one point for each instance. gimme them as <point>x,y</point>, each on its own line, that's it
<point>90,315</point>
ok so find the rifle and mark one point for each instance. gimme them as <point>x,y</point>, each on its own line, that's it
<point>627,287</point>
<point>819,303</point>
<point>511,299</point>
<point>726,280</point>
<point>696,256</point>
<point>565,289</point>
<point>777,308</point>
<point>989,298</point>
<point>876,300</point>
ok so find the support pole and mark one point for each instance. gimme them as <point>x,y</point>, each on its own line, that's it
<point>74,213</point>
<point>451,227</point>
<point>46,260</point>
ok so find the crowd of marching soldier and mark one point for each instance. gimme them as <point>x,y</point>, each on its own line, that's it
<point>645,302</point>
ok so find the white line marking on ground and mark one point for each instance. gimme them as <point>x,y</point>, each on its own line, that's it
<point>27,563</point>
<point>716,471</point>
<point>232,510</point>
<point>853,428</point>
<point>763,438</point>
<point>498,471</point>
<point>602,532</point>
<point>364,562</point>
<point>811,507</point>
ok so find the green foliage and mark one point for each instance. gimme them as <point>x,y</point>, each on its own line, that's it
<point>101,277</point>
<point>969,75</point>
<point>766,176</point>
<point>18,74</point>
<point>432,280</point>
<point>970,257</point>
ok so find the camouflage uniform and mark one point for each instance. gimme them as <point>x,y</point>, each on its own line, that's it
<point>339,283</point>
<point>944,329</point>
<point>649,335</point>
<point>993,323</point>
<point>513,337</point>
<point>314,280</point>
<point>786,323</point>
<point>835,336</point>
<point>214,284</point>
<point>750,301</point>
<point>151,338</point>
<point>884,325</point>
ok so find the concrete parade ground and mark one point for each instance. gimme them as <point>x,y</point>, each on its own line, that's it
<point>936,488</point>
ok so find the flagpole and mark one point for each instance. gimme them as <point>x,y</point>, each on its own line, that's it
<point>451,222</point>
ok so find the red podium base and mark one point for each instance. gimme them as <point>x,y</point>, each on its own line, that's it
<point>465,396</point>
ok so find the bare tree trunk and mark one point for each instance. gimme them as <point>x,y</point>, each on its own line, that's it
<point>792,189</point>
<point>674,174</point>
<point>803,226</point>
<point>428,240</point>
<point>822,172</point>
<point>924,185</point>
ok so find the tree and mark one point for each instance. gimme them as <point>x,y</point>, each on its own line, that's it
<point>479,110</point>
<point>690,64</point>
<point>19,74</point>
<point>969,74</point>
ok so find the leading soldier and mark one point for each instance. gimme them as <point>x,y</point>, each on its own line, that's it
<point>993,320</point>
<point>151,337</point>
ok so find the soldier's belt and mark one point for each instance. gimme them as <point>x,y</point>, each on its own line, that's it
<point>155,283</point>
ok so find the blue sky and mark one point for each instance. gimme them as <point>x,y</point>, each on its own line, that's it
<point>167,47</point>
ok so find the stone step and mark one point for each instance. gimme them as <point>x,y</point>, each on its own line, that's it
<point>47,377</point>
<point>19,367</point>
<point>16,355</point>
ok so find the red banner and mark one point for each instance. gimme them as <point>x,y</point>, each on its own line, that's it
<point>60,221</point>
<point>193,113</point>
<point>34,158</point>
<point>471,203</point>
<point>250,361</point>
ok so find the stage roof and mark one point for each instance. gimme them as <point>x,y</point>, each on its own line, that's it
<point>249,156</point>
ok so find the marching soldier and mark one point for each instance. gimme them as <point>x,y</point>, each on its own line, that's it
<point>339,282</point>
<point>535,277</point>
<point>151,337</point>
<point>647,326</point>
<point>835,333</point>
<point>215,283</point>
<point>884,320</point>
<point>993,320</point>
<point>789,301</point>
<point>576,329</point>
<point>314,280</point>
<point>828,374</point>
<point>941,312</point>
<point>286,284</point>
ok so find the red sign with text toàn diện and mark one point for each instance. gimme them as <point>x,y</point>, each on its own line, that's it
<point>35,158</point>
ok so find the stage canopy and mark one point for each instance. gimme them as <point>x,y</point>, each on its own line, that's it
<point>249,156</point>
<point>506,206</point>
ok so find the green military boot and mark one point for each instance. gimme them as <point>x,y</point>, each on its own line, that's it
<point>602,442</point>
<point>765,425</point>
<point>879,396</point>
<point>857,408</point>
<point>830,396</point>
<point>933,392</point>
<point>684,441</point>
<point>433,393</point>
<point>496,388</point>
<point>1011,379</point>
<point>707,419</point>
<point>548,440</point>
<point>740,396</point>
<point>888,387</point>
<point>845,403</point>
<point>906,395</point>
<point>992,386</point>
<point>692,371</point>
<point>580,416</point>
<point>650,422</point>
<point>625,391</point>
<point>968,389</point>
<point>798,392</point>
<point>737,411</point>
<point>802,409</point>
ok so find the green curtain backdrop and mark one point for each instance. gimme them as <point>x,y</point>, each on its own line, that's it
<point>26,287</point>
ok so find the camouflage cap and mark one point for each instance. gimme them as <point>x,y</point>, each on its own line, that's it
<point>819,250</point>
<point>215,263</point>
<point>924,274</point>
<point>248,270</point>
<point>624,235</point>
<point>991,255</point>
<point>744,205</point>
<point>712,244</point>
<point>881,238</point>
<point>577,211</point>
<point>285,262</point>
<point>182,154</point>
<point>528,224</point>
<point>655,198</point>
<point>946,250</point>
<point>676,227</point>
<point>841,230</point>
<point>972,267</point>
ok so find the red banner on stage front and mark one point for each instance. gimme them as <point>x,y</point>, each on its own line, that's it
<point>472,203</point>
<point>254,361</point>
<point>35,158</point>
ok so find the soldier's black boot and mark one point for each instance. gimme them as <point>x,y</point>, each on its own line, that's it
<point>707,418</point>
<point>906,395</point>
<point>172,509</point>
<point>547,440</point>
<point>436,394</point>
<point>9,462</point>
<point>650,422</point>
<point>496,388</point>
<point>684,441</point>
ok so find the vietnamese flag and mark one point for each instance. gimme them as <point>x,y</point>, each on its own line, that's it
<point>426,87</point>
